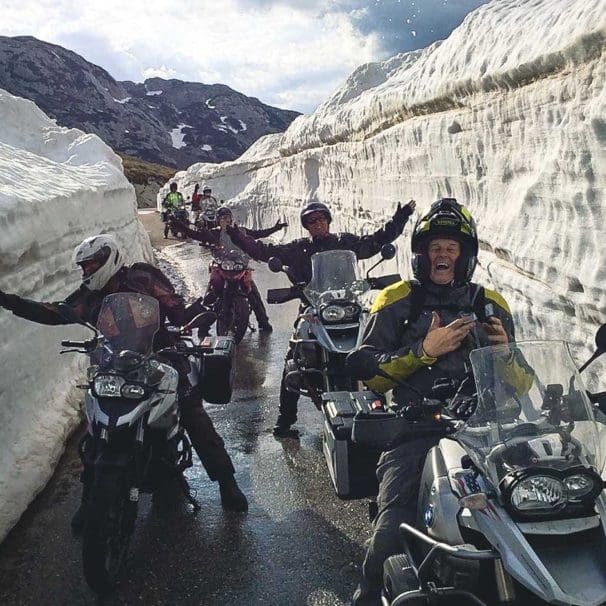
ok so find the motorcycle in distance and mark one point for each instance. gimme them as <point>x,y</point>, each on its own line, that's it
<point>232,306</point>
<point>178,214</point>
<point>331,320</point>
<point>207,218</point>
<point>135,442</point>
<point>511,506</point>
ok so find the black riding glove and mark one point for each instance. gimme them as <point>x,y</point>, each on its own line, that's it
<point>281,224</point>
<point>403,212</point>
<point>9,302</point>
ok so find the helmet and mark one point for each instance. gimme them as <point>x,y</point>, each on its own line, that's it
<point>99,248</point>
<point>173,186</point>
<point>446,218</point>
<point>206,189</point>
<point>224,211</point>
<point>314,207</point>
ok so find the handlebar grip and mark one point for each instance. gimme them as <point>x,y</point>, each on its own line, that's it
<point>74,343</point>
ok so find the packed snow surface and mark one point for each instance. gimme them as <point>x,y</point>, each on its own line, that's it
<point>57,187</point>
<point>508,115</point>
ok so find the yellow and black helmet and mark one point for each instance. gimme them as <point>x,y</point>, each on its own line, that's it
<point>446,218</point>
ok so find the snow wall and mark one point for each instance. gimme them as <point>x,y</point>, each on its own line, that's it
<point>57,187</point>
<point>508,115</point>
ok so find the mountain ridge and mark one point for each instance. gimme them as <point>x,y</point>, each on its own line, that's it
<point>170,122</point>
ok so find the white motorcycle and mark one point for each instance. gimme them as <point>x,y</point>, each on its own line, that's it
<point>135,442</point>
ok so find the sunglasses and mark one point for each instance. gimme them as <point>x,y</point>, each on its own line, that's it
<point>315,219</point>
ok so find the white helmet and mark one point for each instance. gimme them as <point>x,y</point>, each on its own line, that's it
<point>102,248</point>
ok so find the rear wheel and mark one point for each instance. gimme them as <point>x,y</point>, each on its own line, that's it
<point>108,528</point>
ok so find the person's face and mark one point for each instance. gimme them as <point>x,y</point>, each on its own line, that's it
<point>443,254</point>
<point>206,193</point>
<point>317,225</point>
<point>89,267</point>
<point>225,221</point>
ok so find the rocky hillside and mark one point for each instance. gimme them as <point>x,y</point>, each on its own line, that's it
<point>169,122</point>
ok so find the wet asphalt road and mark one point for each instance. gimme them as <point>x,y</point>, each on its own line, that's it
<point>298,544</point>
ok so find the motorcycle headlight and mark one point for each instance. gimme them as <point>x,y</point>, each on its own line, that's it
<point>539,493</point>
<point>130,390</point>
<point>352,312</point>
<point>108,386</point>
<point>579,485</point>
<point>333,313</point>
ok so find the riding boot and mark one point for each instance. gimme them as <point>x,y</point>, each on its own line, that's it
<point>232,498</point>
<point>256,304</point>
<point>288,406</point>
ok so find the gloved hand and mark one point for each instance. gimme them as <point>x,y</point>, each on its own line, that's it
<point>463,408</point>
<point>403,212</point>
<point>8,301</point>
<point>281,224</point>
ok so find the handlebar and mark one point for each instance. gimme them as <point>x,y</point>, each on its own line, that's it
<point>88,345</point>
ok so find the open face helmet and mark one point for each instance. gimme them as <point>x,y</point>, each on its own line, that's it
<point>314,208</point>
<point>224,211</point>
<point>446,218</point>
<point>104,250</point>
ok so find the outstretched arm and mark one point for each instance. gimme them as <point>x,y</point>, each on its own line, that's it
<point>41,312</point>
<point>264,233</point>
<point>368,246</point>
<point>258,250</point>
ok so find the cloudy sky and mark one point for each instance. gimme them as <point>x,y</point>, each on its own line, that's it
<point>289,53</point>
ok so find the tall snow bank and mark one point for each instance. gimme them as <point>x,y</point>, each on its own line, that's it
<point>57,187</point>
<point>507,115</point>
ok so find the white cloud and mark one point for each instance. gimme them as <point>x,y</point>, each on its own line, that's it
<point>268,50</point>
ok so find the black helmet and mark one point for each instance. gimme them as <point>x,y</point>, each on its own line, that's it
<point>173,186</point>
<point>314,207</point>
<point>446,218</point>
<point>224,211</point>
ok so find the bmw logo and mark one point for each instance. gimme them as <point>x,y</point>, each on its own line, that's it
<point>428,516</point>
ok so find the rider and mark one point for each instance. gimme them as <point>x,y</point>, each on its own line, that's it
<point>421,331</point>
<point>196,207</point>
<point>172,201</point>
<point>208,200</point>
<point>316,219</point>
<point>104,273</point>
<point>218,237</point>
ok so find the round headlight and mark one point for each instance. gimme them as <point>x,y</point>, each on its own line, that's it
<point>351,311</point>
<point>538,493</point>
<point>578,486</point>
<point>333,313</point>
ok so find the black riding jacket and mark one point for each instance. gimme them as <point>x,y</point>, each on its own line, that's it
<point>297,254</point>
<point>140,277</point>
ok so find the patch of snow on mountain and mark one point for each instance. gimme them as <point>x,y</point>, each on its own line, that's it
<point>243,126</point>
<point>207,148</point>
<point>209,105</point>
<point>228,126</point>
<point>122,101</point>
<point>57,187</point>
<point>177,135</point>
<point>153,93</point>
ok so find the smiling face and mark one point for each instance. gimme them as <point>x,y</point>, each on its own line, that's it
<point>443,254</point>
<point>225,221</point>
<point>317,225</point>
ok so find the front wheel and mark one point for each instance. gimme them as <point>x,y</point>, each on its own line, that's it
<point>108,528</point>
<point>233,316</point>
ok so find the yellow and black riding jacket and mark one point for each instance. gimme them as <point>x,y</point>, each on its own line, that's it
<point>400,319</point>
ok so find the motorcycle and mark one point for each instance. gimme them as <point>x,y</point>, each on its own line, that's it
<point>179,214</point>
<point>511,506</point>
<point>207,218</point>
<point>135,442</point>
<point>331,320</point>
<point>231,305</point>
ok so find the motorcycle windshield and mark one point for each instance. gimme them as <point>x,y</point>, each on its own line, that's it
<point>334,276</point>
<point>129,321</point>
<point>532,411</point>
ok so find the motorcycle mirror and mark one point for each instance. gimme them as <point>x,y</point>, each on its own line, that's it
<point>600,343</point>
<point>388,251</point>
<point>275,265</point>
